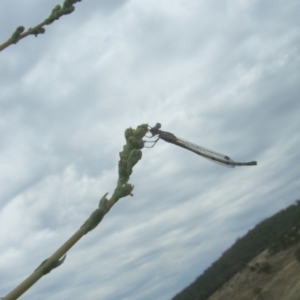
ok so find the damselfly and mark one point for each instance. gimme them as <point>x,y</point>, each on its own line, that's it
<point>208,154</point>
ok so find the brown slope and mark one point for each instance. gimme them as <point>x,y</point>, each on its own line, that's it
<point>280,282</point>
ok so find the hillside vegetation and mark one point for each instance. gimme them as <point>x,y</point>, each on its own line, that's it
<point>279,232</point>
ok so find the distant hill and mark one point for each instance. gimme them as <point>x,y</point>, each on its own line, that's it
<point>275,277</point>
<point>276,233</point>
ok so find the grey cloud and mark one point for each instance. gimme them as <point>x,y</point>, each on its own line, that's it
<point>222,76</point>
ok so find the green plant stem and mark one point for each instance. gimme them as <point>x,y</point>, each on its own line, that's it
<point>38,273</point>
<point>23,35</point>
<point>57,12</point>
<point>130,155</point>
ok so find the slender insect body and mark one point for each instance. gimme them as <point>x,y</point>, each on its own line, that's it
<point>204,152</point>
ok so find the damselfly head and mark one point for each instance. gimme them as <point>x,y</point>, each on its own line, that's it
<point>158,125</point>
<point>154,130</point>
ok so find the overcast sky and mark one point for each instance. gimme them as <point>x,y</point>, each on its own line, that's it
<point>221,74</point>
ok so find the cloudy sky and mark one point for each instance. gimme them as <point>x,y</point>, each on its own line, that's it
<point>222,74</point>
